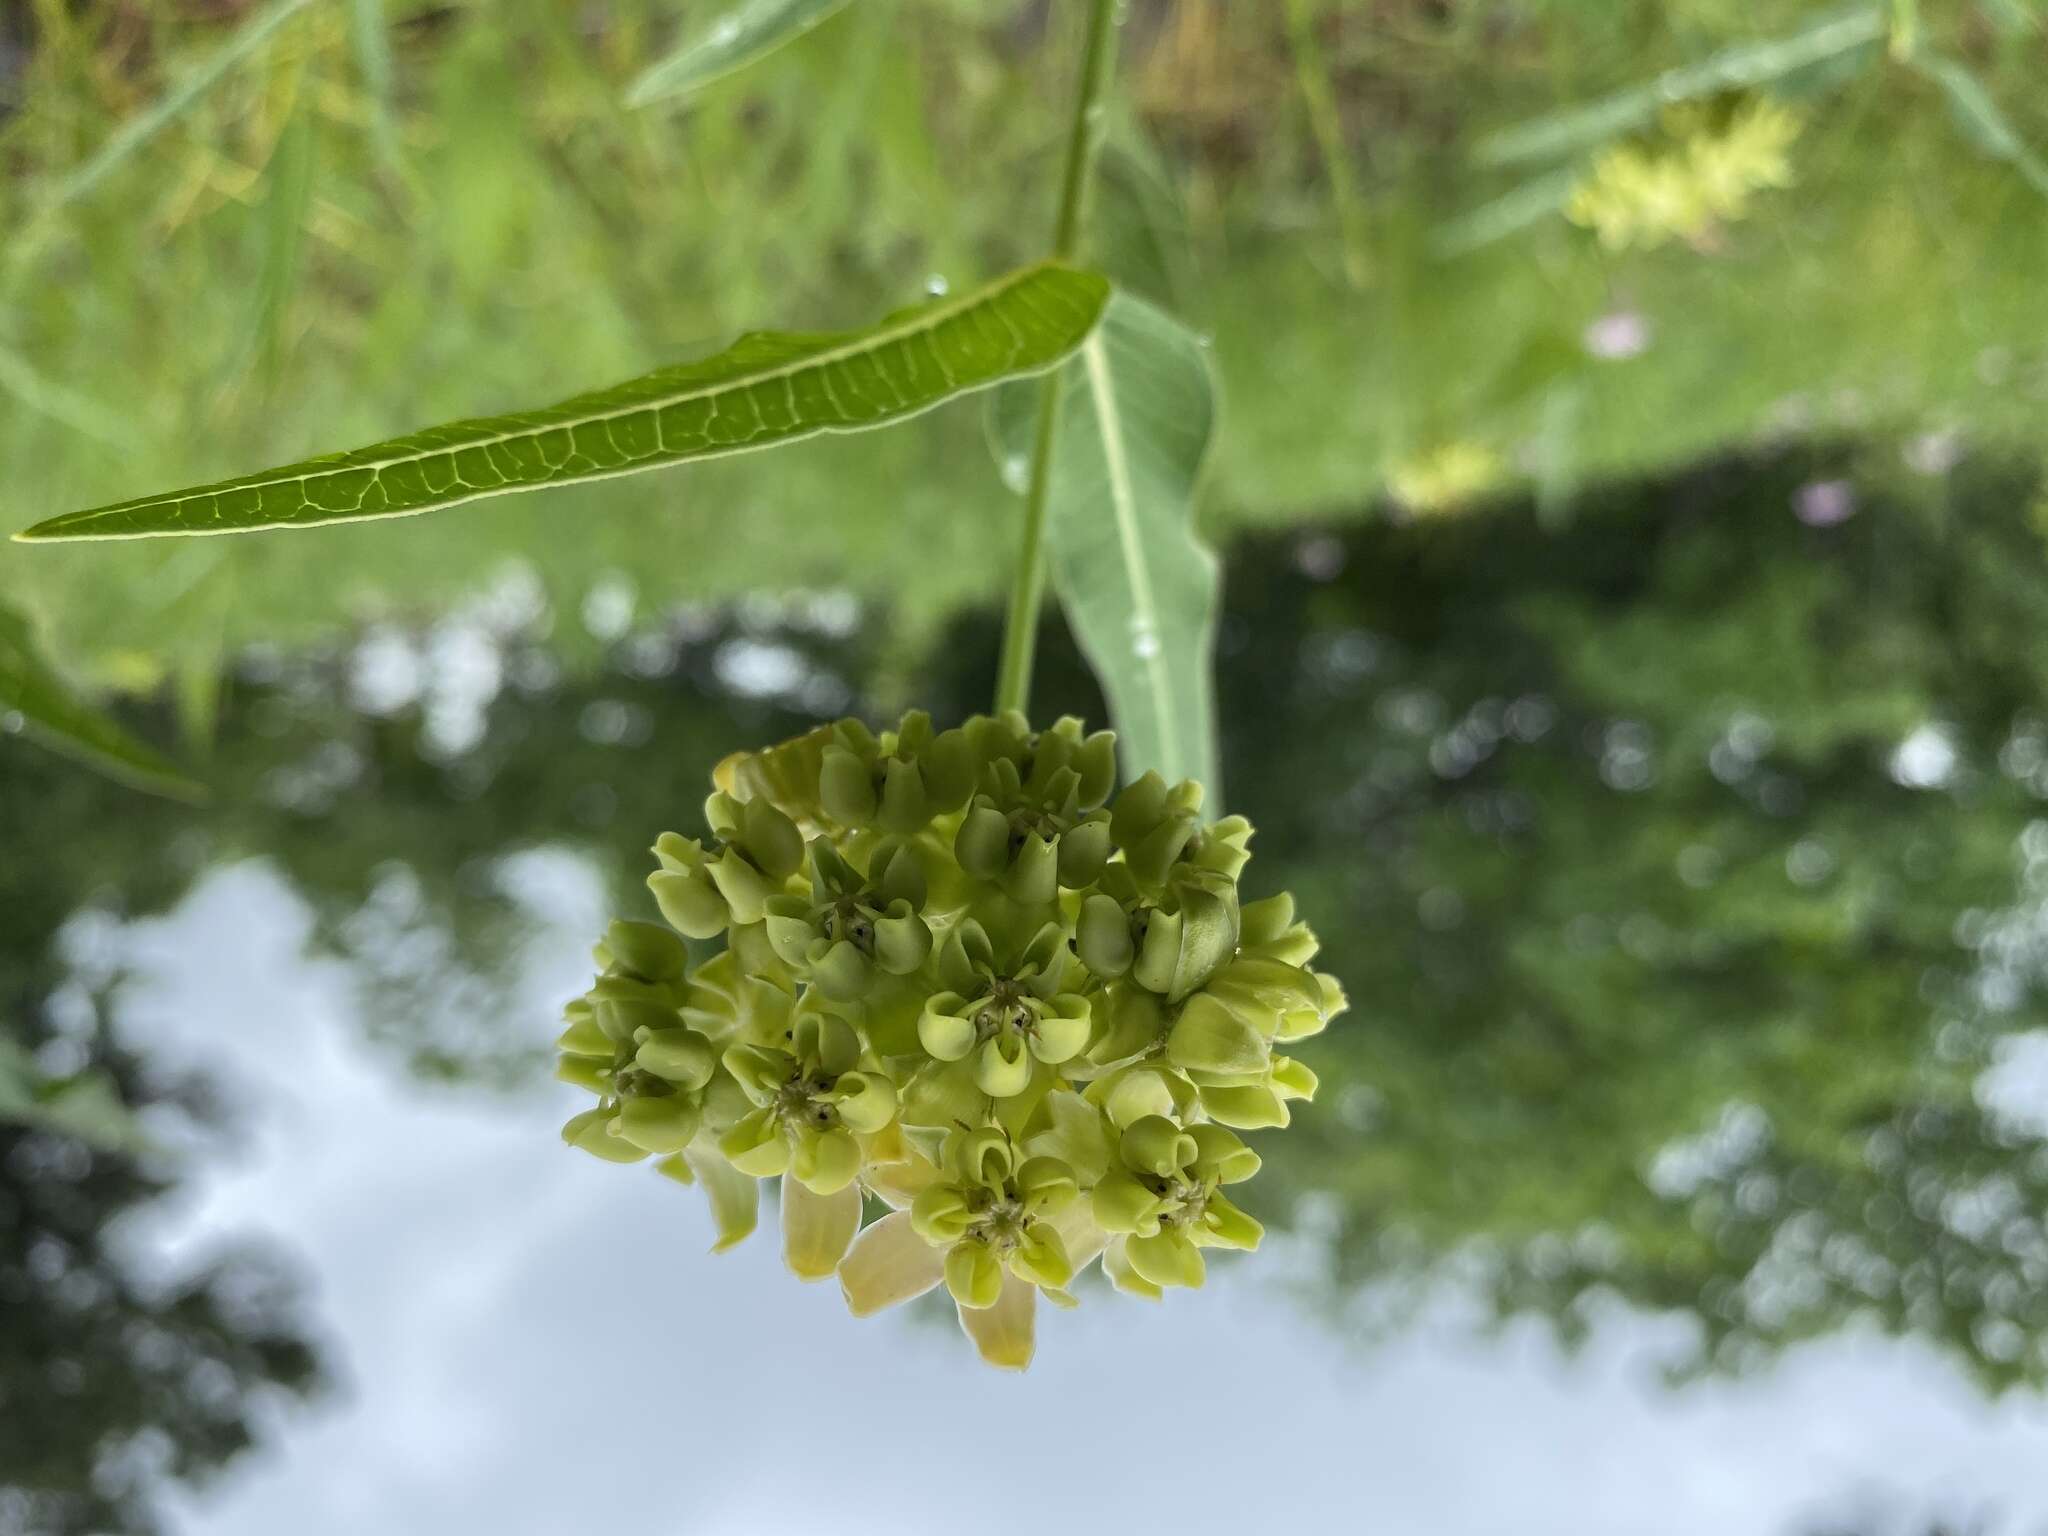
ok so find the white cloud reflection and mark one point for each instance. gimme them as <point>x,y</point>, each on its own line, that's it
<point>532,1342</point>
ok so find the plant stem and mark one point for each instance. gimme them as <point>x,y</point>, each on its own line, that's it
<point>1313,73</point>
<point>1084,138</point>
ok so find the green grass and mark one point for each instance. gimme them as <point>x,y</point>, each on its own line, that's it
<point>530,236</point>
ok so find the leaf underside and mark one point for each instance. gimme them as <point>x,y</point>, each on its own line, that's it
<point>765,390</point>
<point>1137,413</point>
<point>744,33</point>
<point>55,716</point>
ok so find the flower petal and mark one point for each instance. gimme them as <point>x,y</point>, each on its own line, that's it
<point>1005,1333</point>
<point>817,1229</point>
<point>735,1198</point>
<point>889,1263</point>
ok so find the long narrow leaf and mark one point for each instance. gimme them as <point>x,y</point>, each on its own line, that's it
<point>1979,116</point>
<point>373,61</point>
<point>54,715</point>
<point>742,34</point>
<point>767,389</point>
<point>160,114</point>
<point>1742,66</point>
<point>1138,410</point>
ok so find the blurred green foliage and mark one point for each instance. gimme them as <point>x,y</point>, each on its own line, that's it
<point>118,1372</point>
<point>1685,868</point>
<point>273,273</point>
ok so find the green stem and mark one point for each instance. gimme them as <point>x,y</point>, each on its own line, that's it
<point>1327,125</point>
<point>1027,593</point>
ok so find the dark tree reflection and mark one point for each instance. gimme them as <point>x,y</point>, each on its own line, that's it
<point>113,1378</point>
<point>1685,865</point>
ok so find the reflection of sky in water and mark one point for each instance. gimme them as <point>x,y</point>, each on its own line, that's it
<point>531,1341</point>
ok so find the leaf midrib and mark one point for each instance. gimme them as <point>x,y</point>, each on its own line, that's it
<point>1109,424</point>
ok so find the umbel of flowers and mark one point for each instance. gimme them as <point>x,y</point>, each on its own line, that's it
<point>1026,1016</point>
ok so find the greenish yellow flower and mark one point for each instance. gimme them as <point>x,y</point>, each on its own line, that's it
<point>1703,169</point>
<point>812,1101</point>
<point>1444,477</point>
<point>852,924</point>
<point>1035,824</point>
<point>701,891</point>
<point>898,781</point>
<point>628,1042</point>
<point>1001,1021</point>
<point>1072,993</point>
<point>1161,1202</point>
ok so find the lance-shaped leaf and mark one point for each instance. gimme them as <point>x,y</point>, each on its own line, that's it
<point>734,39</point>
<point>1743,66</point>
<point>765,390</point>
<point>1138,408</point>
<point>174,103</point>
<point>54,715</point>
<point>1979,116</point>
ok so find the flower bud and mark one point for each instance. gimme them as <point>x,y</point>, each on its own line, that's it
<point>940,1214</point>
<point>982,845</point>
<point>690,903</point>
<point>584,1072</point>
<point>1157,1146</point>
<point>866,1101</point>
<point>1184,948</point>
<point>1102,937</point>
<point>756,1146</point>
<point>1222,1154</point>
<point>1210,1038</point>
<point>902,940</point>
<point>846,787</point>
<point>1166,1258</point>
<point>1045,1185</point>
<point>1061,1031</point>
<point>824,1161</point>
<point>681,1056</point>
<point>592,1132</point>
<point>1083,850</point>
<point>659,1125</point>
<point>1223,1225</point>
<point>974,1274</point>
<point>584,1036</point>
<point>984,1157</point>
<point>1042,1257</point>
<point>1122,1204</point>
<point>652,953</point>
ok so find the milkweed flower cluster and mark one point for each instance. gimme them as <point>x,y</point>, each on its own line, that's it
<point>1027,1016</point>
<point>1706,169</point>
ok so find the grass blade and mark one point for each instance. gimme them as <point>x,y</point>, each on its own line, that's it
<point>1139,410</point>
<point>373,61</point>
<point>1742,66</point>
<point>52,714</point>
<point>767,389</point>
<point>1980,117</point>
<point>148,123</point>
<point>741,35</point>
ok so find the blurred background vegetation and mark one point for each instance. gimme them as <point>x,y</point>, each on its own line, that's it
<point>1631,655</point>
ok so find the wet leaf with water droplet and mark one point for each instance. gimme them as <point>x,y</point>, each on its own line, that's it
<point>1138,412</point>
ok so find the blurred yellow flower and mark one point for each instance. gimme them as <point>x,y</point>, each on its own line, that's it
<point>1705,171</point>
<point>1443,478</point>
